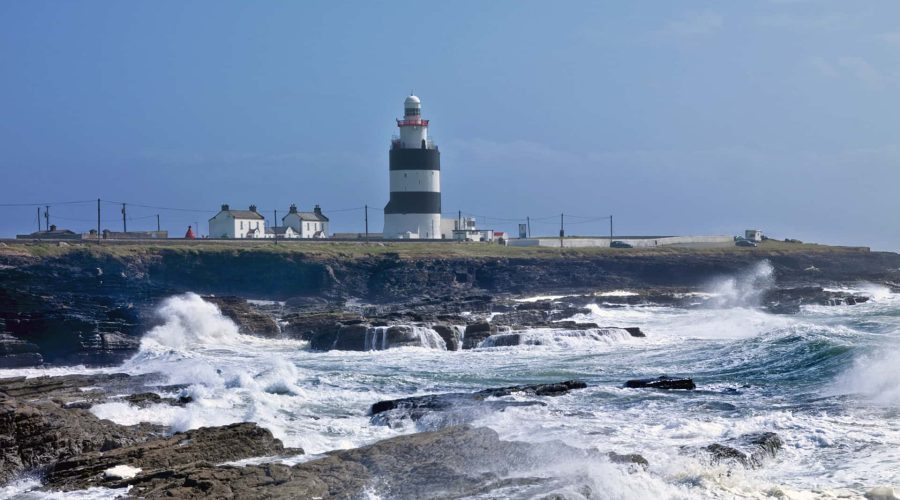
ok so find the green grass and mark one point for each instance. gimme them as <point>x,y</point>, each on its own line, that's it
<point>410,250</point>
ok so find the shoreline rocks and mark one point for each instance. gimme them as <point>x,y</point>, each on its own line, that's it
<point>663,383</point>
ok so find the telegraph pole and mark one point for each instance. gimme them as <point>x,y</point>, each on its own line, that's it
<point>47,217</point>
<point>367,223</point>
<point>528,225</point>
<point>157,223</point>
<point>562,230</point>
<point>39,218</point>
<point>124,224</point>
<point>274,225</point>
<point>98,221</point>
<point>610,229</point>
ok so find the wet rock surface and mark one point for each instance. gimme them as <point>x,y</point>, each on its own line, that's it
<point>749,450</point>
<point>455,462</point>
<point>663,382</point>
<point>42,421</point>
<point>250,320</point>
<point>441,410</point>
<point>206,444</point>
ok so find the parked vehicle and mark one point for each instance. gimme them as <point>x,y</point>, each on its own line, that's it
<point>620,244</point>
<point>745,243</point>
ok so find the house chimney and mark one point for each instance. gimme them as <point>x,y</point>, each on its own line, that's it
<point>317,210</point>
<point>253,208</point>
<point>225,207</point>
<point>293,209</point>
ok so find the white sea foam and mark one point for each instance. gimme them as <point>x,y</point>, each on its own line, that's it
<point>875,376</point>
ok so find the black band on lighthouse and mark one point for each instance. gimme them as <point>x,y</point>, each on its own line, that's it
<point>415,159</point>
<point>414,202</point>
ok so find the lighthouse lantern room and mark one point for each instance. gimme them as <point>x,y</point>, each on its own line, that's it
<point>414,209</point>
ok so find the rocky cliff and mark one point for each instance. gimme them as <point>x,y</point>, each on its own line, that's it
<point>90,305</point>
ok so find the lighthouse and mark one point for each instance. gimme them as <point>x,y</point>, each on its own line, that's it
<point>414,209</point>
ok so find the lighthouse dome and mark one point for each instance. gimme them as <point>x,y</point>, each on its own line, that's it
<point>412,102</point>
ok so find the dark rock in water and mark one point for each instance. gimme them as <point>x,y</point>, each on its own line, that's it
<point>663,382</point>
<point>249,320</point>
<point>629,458</point>
<point>207,444</point>
<point>341,337</point>
<point>749,450</point>
<point>451,335</point>
<point>402,335</point>
<point>635,331</point>
<point>456,462</point>
<point>145,399</point>
<point>463,407</point>
<point>476,333</point>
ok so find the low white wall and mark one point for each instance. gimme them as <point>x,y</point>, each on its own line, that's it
<point>680,241</point>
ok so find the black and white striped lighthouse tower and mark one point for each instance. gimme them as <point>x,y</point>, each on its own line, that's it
<point>414,210</point>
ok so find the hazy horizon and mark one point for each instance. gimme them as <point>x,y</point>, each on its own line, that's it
<point>677,118</point>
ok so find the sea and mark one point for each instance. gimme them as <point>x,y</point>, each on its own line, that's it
<point>826,380</point>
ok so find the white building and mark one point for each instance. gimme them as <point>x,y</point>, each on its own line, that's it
<point>753,235</point>
<point>238,224</point>
<point>282,232</point>
<point>414,209</point>
<point>306,224</point>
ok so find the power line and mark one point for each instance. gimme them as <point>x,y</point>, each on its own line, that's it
<point>45,203</point>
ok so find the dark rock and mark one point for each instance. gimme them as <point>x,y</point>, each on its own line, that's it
<point>207,444</point>
<point>402,335</point>
<point>635,331</point>
<point>476,333</point>
<point>663,382</point>
<point>629,458</point>
<point>15,352</point>
<point>306,326</point>
<point>749,450</point>
<point>462,407</point>
<point>249,320</point>
<point>456,462</point>
<point>34,435</point>
<point>452,336</point>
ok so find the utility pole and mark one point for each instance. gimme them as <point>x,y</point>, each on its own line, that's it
<point>528,225</point>
<point>274,225</point>
<point>610,229</point>
<point>98,221</point>
<point>562,230</point>
<point>367,223</point>
<point>157,223</point>
<point>39,218</point>
<point>47,217</point>
<point>124,224</point>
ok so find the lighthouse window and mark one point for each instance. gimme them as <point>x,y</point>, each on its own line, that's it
<point>412,111</point>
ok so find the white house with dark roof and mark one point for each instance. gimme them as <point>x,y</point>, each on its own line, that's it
<point>307,224</point>
<point>238,224</point>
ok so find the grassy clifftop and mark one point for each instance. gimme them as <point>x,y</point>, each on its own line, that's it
<point>407,250</point>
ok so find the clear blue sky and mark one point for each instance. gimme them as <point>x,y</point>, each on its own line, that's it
<point>681,117</point>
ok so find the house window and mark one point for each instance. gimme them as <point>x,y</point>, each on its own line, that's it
<point>242,225</point>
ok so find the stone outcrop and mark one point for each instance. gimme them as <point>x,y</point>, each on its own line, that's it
<point>749,450</point>
<point>455,462</point>
<point>663,382</point>
<point>455,408</point>
<point>207,444</point>
<point>250,321</point>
